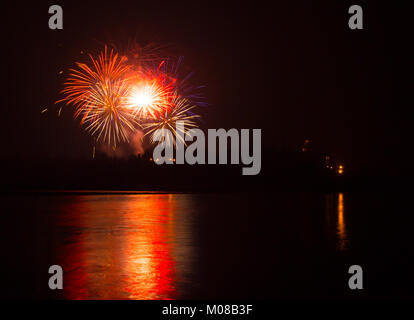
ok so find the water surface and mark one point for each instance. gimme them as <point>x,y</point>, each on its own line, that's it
<point>191,246</point>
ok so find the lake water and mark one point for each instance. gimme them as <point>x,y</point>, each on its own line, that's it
<point>192,246</point>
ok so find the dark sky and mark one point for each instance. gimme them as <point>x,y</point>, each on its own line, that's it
<point>291,68</point>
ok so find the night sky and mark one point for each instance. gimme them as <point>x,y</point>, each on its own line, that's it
<point>292,68</point>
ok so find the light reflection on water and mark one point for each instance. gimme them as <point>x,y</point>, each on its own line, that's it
<point>144,246</point>
<point>126,247</point>
<point>203,246</point>
<point>341,227</point>
<point>336,214</point>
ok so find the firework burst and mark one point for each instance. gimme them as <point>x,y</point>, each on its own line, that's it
<point>106,114</point>
<point>181,111</point>
<point>114,95</point>
<point>149,97</point>
<point>99,94</point>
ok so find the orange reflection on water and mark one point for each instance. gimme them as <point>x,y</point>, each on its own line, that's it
<point>122,247</point>
<point>341,227</point>
<point>148,255</point>
<point>336,220</point>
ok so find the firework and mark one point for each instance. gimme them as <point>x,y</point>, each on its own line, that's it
<point>106,114</point>
<point>150,53</point>
<point>99,94</point>
<point>155,87</point>
<point>149,97</point>
<point>114,95</point>
<point>181,111</point>
<point>171,73</point>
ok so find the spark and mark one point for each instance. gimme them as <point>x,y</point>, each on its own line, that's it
<point>181,111</point>
<point>99,94</point>
<point>114,95</point>
<point>149,99</point>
